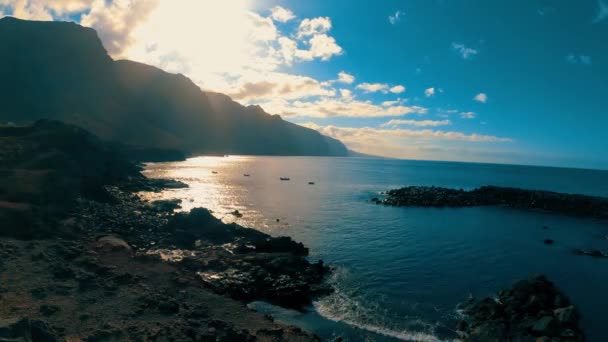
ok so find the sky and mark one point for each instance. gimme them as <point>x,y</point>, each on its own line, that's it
<point>519,81</point>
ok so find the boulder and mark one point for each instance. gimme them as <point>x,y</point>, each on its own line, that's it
<point>113,243</point>
<point>546,326</point>
<point>166,205</point>
<point>566,316</point>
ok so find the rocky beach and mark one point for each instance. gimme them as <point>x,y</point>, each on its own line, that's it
<point>83,258</point>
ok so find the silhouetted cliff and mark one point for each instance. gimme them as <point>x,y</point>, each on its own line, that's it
<point>61,71</point>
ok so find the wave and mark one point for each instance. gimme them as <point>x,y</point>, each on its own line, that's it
<point>346,306</point>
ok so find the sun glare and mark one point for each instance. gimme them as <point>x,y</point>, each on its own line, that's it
<point>201,38</point>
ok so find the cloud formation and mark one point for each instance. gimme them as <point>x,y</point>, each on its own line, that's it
<point>344,106</point>
<point>481,98</point>
<point>467,115</point>
<point>281,14</point>
<point>465,52</point>
<point>416,123</point>
<point>373,87</point>
<point>44,9</point>
<point>398,89</point>
<point>116,21</point>
<point>311,27</point>
<point>271,85</point>
<point>345,78</point>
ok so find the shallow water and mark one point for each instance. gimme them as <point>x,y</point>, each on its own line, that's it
<point>402,271</point>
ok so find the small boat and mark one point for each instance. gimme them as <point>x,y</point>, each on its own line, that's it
<point>311,183</point>
<point>285,178</point>
<point>246,175</point>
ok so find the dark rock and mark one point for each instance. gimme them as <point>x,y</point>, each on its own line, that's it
<point>25,330</point>
<point>168,306</point>
<point>546,326</point>
<point>566,316</point>
<point>48,310</point>
<point>113,244</point>
<point>166,205</point>
<point>579,205</point>
<point>531,308</point>
<point>593,253</point>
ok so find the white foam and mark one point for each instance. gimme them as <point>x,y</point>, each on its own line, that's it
<point>345,308</point>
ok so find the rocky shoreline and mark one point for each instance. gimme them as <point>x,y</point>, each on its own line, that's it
<point>83,258</point>
<point>430,196</point>
<point>532,310</point>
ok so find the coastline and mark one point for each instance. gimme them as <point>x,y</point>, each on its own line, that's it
<point>95,267</point>
<point>138,266</point>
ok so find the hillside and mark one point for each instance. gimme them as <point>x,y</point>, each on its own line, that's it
<point>60,71</point>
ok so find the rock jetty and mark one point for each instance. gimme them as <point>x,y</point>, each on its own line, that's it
<point>425,196</point>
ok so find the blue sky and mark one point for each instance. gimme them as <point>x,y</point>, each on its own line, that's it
<point>493,81</point>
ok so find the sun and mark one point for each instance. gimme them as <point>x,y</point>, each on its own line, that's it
<point>203,39</point>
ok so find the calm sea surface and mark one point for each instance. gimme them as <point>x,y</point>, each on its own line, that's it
<point>402,271</point>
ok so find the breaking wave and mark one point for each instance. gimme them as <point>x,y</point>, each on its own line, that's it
<point>345,306</point>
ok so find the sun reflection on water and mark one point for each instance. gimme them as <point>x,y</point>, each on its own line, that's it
<point>219,184</point>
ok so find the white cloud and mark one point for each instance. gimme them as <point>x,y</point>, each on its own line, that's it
<point>481,97</point>
<point>464,51</point>
<point>395,18</point>
<point>416,123</point>
<point>579,59</point>
<point>390,103</point>
<point>43,9</point>
<point>288,49</point>
<point>398,89</point>
<point>281,14</point>
<point>337,107</point>
<point>373,87</point>
<point>321,46</point>
<point>602,11</point>
<point>116,21</point>
<point>346,94</point>
<point>346,78</point>
<point>407,143</point>
<point>467,115</point>
<point>310,27</point>
<point>272,85</point>
<point>429,92</point>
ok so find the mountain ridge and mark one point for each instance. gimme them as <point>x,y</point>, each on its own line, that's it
<point>61,71</point>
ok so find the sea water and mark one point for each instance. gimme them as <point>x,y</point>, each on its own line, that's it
<point>401,272</point>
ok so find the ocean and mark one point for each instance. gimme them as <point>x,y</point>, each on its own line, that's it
<point>401,272</point>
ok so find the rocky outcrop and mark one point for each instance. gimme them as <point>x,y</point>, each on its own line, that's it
<point>45,167</point>
<point>424,196</point>
<point>532,310</point>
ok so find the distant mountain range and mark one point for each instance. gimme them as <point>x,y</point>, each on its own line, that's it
<point>61,71</point>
